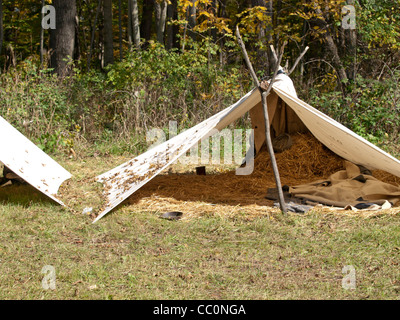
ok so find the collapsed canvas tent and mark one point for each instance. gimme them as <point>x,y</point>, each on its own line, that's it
<point>29,162</point>
<point>287,114</point>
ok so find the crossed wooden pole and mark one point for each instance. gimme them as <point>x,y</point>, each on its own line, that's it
<point>264,91</point>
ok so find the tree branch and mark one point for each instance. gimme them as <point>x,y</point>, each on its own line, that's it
<point>264,95</point>
<point>298,60</point>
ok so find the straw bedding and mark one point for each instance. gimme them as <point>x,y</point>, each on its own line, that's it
<point>307,160</point>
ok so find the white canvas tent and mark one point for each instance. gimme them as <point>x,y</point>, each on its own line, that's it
<point>29,162</point>
<point>127,178</point>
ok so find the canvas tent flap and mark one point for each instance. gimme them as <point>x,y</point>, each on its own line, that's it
<point>340,139</point>
<point>124,180</point>
<point>29,162</point>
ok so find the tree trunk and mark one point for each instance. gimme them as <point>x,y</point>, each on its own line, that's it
<point>133,24</point>
<point>77,50</point>
<point>303,46</point>
<point>62,39</point>
<point>89,59</point>
<point>213,9</point>
<point>191,19</point>
<point>272,60</point>
<point>222,9</point>
<point>130,39</point>
<point>41,35</point>
<point>147,19</point>
<point>108,35</point>
<point>335,56</point>
<point>351,46</point>
<point>161,15</point>
<point>262,55</point>
<point>275,13</point>
<point>337,62</point>
<point>121,56</point>
<point>172,29</point>
<point>222,14</point>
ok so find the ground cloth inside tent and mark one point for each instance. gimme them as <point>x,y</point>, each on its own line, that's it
<point>353,186</point>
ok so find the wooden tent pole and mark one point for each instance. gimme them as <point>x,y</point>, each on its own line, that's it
<point>264,94</point>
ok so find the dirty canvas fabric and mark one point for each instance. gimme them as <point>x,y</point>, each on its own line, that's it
<point>347,187</point>
<point>28,162</point>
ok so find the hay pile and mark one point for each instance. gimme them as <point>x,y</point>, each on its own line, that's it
<point>386,177</point>
<point>305,161</point>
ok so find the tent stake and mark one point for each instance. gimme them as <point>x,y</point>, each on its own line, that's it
<point>264,94</point>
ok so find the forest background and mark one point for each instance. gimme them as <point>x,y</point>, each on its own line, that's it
<point>111,70</point>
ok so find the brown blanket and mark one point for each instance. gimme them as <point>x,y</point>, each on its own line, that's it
<point>348,187</point>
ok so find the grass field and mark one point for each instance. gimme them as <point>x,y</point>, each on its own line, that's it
<point>133,254</point>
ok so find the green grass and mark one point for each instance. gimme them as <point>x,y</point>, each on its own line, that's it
<point>137,255</point>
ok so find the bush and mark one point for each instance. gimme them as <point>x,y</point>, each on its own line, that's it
<point>148,89</point>
<point>168,85</point>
